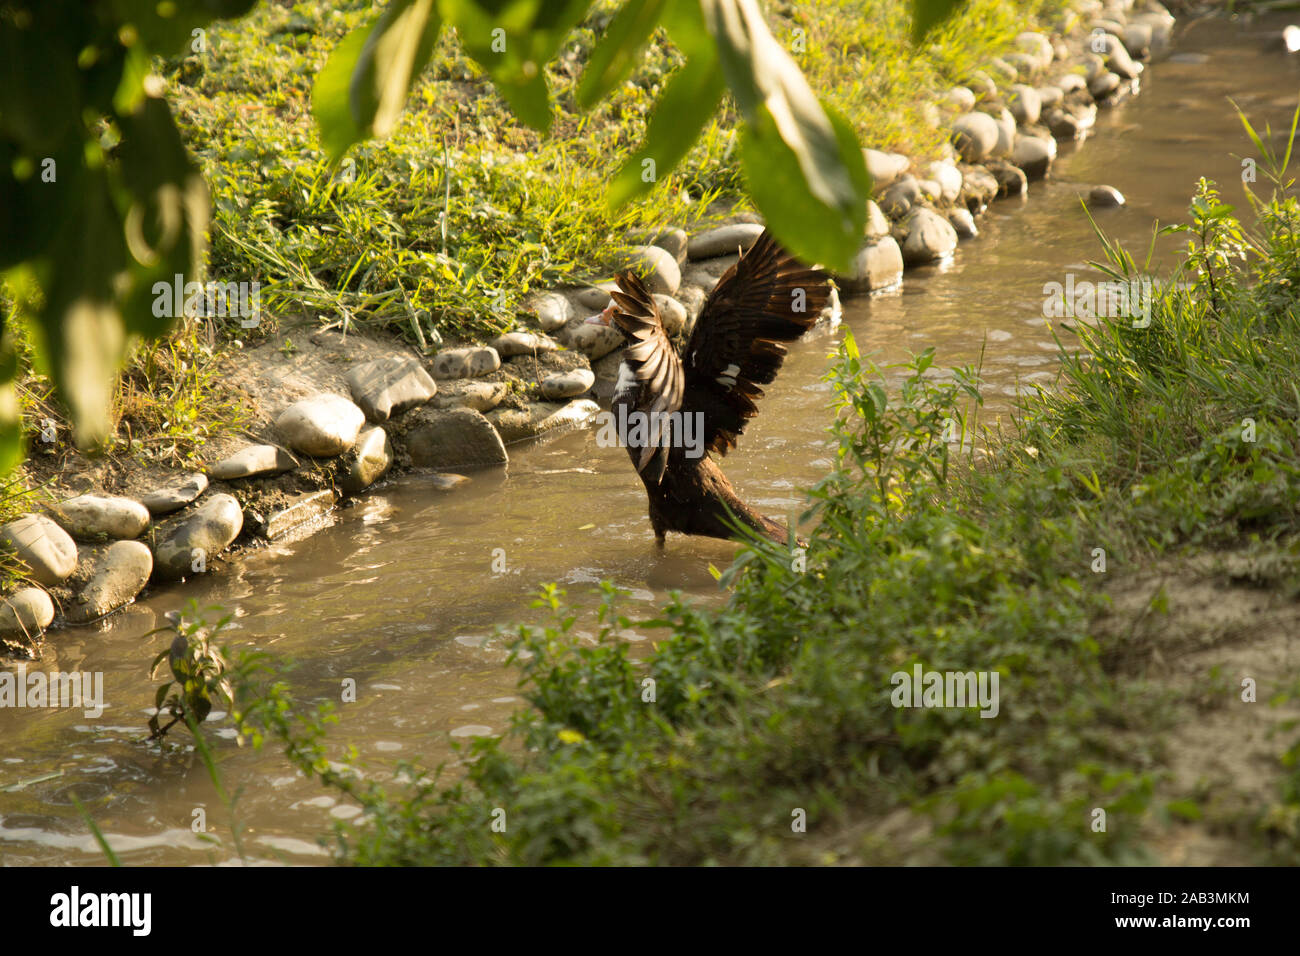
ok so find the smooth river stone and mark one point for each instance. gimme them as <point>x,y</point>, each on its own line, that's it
<point>716,267</point>
<point>386,386</point>
<point>551,309</point>
<point>541,418</point>
<point>523,343</point>
<point>878,265</point>
<point>1006,124</point>
<point>672,241</point>
<point>658,268</point>
<point>929,237</point>
<point>455,438</point>
<point>877,224</point>
<point>1117,56</point>
<point>1023,65</point>
<point>975,135</point>
<point>672,313</point>
<point>885,168</point>
<point>1011,179</point>
<point>1025,103</point>
<point>596,297</point>
<point>43,546</point>
<point>465,363</point>
<point>1070,83</point>
<point>723,241</point>
<point>108,578</point>
<point>606,372</point>
<point>1105,196</point>
<point>961,97</point>
<point>209,529</point>
<point>899,198</point>
<point>1037,45</point>
<point>251,461</point>
<point>1137,40</point>
<point>374,456</point>
<point>576,414</point>
<point>979,187</point>
<point>304,513</point>
<point>175,497</point>
<point>480,396</point>
<point>949,179</point>
<point>1049,96</point>
<point>1034,154</point>
<point>591,339</point>
<point>692,298</point>
<point>90,516</point>
<point>569,384</point>
<point>1103,85</point>
<point>26,612</point>
<point>321,426</point>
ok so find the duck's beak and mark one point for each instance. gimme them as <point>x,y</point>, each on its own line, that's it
<point>605,317</point>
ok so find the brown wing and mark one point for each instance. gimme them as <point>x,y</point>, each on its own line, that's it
<point>655,365</point>
<point>765,299</point>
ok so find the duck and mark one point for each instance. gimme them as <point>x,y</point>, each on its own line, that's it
<point>674,411</point>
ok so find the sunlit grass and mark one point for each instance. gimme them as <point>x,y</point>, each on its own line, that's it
<point>463,211</point>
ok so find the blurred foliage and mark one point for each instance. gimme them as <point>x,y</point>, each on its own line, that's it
<point>99,199</point>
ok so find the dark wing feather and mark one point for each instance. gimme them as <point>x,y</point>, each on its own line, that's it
<point>765,299</point>
<point>655,365</point>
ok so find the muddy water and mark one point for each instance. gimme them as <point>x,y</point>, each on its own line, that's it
<point>400,594</point>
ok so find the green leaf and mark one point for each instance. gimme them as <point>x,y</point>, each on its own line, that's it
<point>167,29</point>
<point>684,22</point>
<point>329,96</point>
<point>39,86</point>
<point>1186,809</point>
<point>804,224</point>
<point>687,102</point>
<point>11,432</point>
<point>364,84</point>
<point>80,326</point>
<point>928,14</point>
<point>32,209</point>
<point>97,834</point>
<point>396,50</point>
<point>166,214</point>
<point>619,49</point>
<point>812,188</point>
<point>513,40</point>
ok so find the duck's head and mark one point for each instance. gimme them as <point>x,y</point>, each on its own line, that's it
<point>606,317</point>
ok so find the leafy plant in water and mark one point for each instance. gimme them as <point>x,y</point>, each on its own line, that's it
<point>202,673</point>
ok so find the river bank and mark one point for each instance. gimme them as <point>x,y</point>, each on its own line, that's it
<point>277,454</point>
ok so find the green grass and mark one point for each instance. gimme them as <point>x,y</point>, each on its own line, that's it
<point>522,211</point>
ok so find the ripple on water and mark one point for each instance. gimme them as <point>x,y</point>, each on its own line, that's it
<point>83,791</point>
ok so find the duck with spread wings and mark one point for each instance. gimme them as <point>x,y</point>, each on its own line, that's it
<point>682,406</point>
